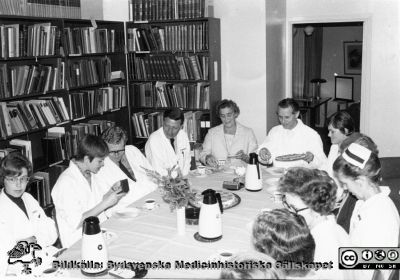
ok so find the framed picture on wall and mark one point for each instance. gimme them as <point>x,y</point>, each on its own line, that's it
<point>352,57</point>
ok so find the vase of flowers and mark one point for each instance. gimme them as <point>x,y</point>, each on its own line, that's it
<point>176,191</point>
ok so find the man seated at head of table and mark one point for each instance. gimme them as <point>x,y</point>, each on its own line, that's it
<point>169,145</point>
<point>292,137</point>
<point>124,162</point>
<point>229,140</point>
<point>77,195</point>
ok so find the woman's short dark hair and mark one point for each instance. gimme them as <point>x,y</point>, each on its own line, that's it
<point>114,135</point>
<point>284,236</point>
<point>13,164</point>
<point>289,102</point>
<point>342,121</point>
<point>226,103</point>
<point>314,187</point>
<point>91,146</point>
<point>174,114</point>
<point>371,170</point>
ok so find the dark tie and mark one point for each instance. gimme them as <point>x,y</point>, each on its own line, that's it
<point>172,140</point>
<point>126,171</point>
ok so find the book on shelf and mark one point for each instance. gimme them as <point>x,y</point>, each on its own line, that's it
<point>44,178</point>
<point>8,150</point>
<point>147,10</point>
<point>25,147</point>
<point>36,188</point>
<point>42,8</point>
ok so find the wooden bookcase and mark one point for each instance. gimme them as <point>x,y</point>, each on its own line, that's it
<point>69,73</point>
<point>173,63</point>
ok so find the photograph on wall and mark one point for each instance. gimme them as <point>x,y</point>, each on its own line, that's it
<point>352,58</point>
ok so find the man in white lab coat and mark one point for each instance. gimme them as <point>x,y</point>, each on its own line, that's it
<point>169,145</point>
<point>124,162</point>
<point>77,194</point>
<point>292,136</point>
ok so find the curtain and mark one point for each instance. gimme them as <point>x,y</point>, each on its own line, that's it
<point>312,58</point>
<point>298,62</point>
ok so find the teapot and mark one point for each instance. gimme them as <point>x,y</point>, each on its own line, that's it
<point>253,180</point>
<point>94,250</point>
<point>210,220</point>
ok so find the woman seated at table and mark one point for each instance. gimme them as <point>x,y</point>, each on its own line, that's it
<point>375,220</point>
<point>340,126</point>
<point>345,200</point>
<point>229,140</point>
<point>247,269</point>
<point>311,193</point>
<point>20,214</point>
<point>284,236</point>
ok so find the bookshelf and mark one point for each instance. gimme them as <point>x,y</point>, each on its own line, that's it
<point>174,60</point>
<point>59,79</point>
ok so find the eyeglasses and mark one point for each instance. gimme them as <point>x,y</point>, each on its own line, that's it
<point>290,207</point>
<point>117,152</point>
<point>15,180</point>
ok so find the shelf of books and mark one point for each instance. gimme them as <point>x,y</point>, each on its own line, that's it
<point>173,61</point>
<point>59,80</point>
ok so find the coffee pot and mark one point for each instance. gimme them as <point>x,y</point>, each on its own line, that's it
<point>210,220</point>
<point>253,180</point>
<point>94,250</point>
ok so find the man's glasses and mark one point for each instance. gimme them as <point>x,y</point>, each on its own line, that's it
<point>15,180</point>
<point>290,207</point>
<point>117,152</point>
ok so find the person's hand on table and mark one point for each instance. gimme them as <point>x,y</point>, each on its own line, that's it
<point>242,156</point>
<point>308,157</point>
<point>211,161</point>
<point>264,155</point>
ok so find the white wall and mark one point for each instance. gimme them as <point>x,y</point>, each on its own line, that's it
<point>380,108</point>
<point>243,59</point>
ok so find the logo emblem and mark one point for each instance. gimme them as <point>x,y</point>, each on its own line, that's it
<point>367,255</point>
<point>380,255</point>
<point>349,258</point>
<point>24,253</point>
<point>393,255</point>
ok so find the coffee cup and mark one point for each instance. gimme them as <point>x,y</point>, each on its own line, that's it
<point>278,197</point>
<point>224,255</point>
<point>150,204</point>
<point>201,170</point>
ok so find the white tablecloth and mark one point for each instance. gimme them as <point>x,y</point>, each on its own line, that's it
<point>152,235</point>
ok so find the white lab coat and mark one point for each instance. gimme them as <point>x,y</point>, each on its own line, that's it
<point>111,173</point>
<point>300,139</point>
<point>7,243</point>
<point>72,196</point>
<point>22,227</point>
<point>162,156</point>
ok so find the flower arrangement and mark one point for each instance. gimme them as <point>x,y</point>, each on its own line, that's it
<point>174,188</point>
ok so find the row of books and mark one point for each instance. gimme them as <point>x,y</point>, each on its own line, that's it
<point>168,67</point>
<point>161,94</point>
<point>97,101</point>
<point>194,124</point>
<point>30,79</point>
<point>85,72</point>
<point>42,8</point>
<point>182,37</point>
<point>147,10</point>
<point>23,116</point>
<point>61,142</point>
<point>87,40</point>
<point>20,40</point>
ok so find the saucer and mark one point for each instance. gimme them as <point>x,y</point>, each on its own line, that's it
<point>127,213</point>
<point>202,239</point>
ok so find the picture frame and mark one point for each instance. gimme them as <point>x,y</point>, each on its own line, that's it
<point>352,52</point>
<point>344,88</point>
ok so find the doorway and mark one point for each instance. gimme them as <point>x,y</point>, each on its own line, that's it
<point>335,32</point>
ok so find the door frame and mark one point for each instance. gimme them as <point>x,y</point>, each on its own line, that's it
<point>366,58</point>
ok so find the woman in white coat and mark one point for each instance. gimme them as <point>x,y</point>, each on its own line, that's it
<point>124,162</point>
<point>229,140</point>
<point>20,214</point>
